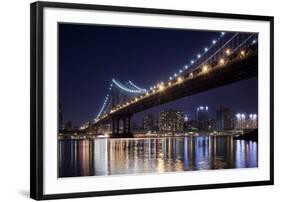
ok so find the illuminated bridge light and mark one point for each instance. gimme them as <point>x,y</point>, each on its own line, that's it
<point>169,79</point>
<point>175,75</point>
<point>206,49</point>
<point>222,61</point>
<point>192,61</point>
<point>205,68</point>
<point>242,53</point>
<point>191,74</point>
<point>186,66</point>
<point>179,79</point>
<point>222,33</point>
<point>214,42</point>
<point>180,71</point>
<point>169,83</point>
<point>227,51</point>
<point>198,56</point>
<point>254,41</point>
<point>136,87</point>
<point>161,88</point>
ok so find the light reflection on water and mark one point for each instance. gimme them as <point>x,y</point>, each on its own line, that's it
<point>148,155</point>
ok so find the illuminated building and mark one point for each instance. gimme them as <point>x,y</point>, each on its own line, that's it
<point>148,122</point>
<point>252,121</point>
<point>171,121</point>
<point>190,125</point>
<point>212,124</point>
<point>185,118</point>
<point>202,117</point>
<point>223,119</point>
<point>246,121</point>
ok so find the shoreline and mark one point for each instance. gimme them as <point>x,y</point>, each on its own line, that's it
<point>85,137</point>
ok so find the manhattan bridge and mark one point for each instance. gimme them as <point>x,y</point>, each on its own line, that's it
<point>229,58</point>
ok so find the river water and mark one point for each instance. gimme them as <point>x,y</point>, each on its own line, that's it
<point>154,155</point>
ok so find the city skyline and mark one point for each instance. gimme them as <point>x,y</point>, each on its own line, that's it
<point>220,114</point>
<point>77,52</point>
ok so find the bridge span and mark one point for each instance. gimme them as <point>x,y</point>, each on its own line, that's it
<point>240,65</point>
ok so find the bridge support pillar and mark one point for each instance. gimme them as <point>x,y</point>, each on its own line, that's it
<point>127,125</point>
<point>115,126</point>
<point>112,126</point>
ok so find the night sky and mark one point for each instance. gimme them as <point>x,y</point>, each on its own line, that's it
<point>90,56</point>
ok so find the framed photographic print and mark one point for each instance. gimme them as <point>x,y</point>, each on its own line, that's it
<point>134,100</point>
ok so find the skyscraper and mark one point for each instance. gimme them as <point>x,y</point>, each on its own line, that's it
<point>202,117</point>
<point>246,121</point>
<point>252,122</point>
<point>148,122</point>
<point>171,121</point>
<point>223,119</point>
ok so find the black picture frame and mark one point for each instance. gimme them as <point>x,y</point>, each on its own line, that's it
<point>36,99</point>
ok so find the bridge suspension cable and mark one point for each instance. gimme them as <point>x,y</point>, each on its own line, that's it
<point>198,57</point>
<point>138,88</point>
<point>223,46</point>
<point>245,41</point>
<point>106,101</point>
<point>132,88</point>
<point>125,88</point>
